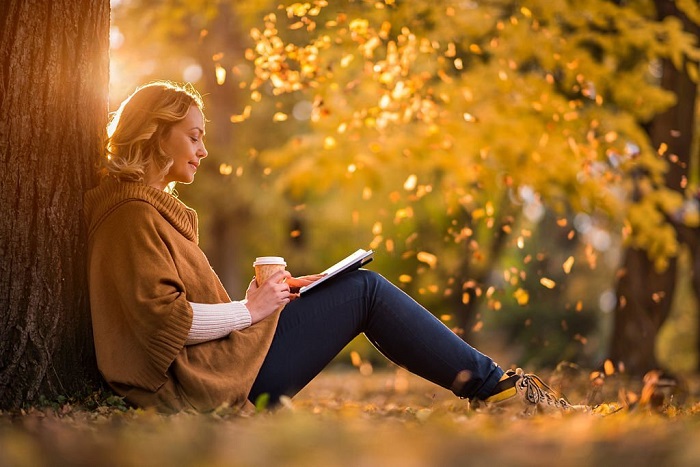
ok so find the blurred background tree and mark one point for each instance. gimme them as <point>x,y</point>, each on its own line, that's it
<point>492,152</point>
<point>648,281</point>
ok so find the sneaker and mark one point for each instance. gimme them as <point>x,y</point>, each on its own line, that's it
<point>518,389</point>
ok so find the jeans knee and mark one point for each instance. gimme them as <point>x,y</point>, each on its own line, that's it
<point>371,278</point>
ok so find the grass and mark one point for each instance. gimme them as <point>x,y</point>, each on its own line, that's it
<point>388,418</point>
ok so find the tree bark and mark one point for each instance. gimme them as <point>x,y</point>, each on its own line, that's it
<point>690,236</point>
<point>644,303</point>
<point>645,295</point>
<point>53,109</point>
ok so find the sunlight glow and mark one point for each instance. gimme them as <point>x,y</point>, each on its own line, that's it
<point>116,38</point>
<point>192,73</point>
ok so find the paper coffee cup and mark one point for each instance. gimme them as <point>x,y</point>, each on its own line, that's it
<point>265,266</point>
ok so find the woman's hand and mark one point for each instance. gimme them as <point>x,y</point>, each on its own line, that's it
<point>296,283</point>
<point>265,299</point>
<point>278,290</point>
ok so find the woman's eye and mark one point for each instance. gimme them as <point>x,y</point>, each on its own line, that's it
<point>194,140</point>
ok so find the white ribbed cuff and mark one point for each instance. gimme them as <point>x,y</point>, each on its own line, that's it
<point>214,321</point>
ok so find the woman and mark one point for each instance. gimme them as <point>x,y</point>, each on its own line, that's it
<point>168,336</point>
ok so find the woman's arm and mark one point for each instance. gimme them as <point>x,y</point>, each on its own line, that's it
<point>214,321</point>
<point>217,320</point>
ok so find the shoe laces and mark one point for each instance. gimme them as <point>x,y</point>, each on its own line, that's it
<point>537,392</point>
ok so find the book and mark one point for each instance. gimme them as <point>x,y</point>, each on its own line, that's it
<point>349,263</point>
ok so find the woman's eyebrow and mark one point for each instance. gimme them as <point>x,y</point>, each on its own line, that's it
<point>199,129</point>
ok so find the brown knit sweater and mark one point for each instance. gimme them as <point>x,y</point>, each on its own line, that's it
<point>144,266</point>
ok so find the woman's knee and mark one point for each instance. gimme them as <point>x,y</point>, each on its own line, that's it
<point>371,278</point>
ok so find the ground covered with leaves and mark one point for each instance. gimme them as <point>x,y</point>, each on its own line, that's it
<point>385,418</point>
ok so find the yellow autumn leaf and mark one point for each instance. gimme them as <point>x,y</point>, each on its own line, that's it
<point>521,296</point>
<point>609,367</point>
<point>568,264</point>
<point>220,74</point>
<point>410,182</point>
<point>607,408</point>
<point>280,117</point>
<point>329,142</point>
<point>466,298</point>
<point>549,283</point>
<point>427,258</point>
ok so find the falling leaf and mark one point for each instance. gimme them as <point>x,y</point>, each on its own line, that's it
<point>427,258</point>
<point>220,74</point>
<point>244,116</point>
<point>549,283</point>
<point>410,183</point>
<point>280,117</point>
<point>609,367</point>
<point>355,358</point>
<point>329,142</point>
<point>568,264</point>
<point>522,297</point>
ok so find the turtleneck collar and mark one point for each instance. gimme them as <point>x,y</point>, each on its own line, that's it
<point>99,202</point>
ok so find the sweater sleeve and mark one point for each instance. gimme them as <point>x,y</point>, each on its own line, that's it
<point>214,321</point>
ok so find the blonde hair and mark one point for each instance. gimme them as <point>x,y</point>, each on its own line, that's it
<point>136,129</point>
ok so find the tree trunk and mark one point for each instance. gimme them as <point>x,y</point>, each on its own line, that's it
<point>644,303</point>
<point>644,294</point>
<point>691,237</point>
<point>53,110</point>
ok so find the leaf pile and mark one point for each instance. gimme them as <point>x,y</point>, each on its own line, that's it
<point>345,418</point>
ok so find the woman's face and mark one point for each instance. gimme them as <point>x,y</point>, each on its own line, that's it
<point>184,144</point>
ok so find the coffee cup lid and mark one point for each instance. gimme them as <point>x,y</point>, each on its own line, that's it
<point>261,260</point>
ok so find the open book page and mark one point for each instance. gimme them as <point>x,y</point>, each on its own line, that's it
<point>349,263</point>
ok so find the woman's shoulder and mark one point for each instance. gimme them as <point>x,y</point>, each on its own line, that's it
<point>135,204</point>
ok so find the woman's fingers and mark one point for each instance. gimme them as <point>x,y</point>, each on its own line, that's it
<point>268,297</point>
<point>304,280</point>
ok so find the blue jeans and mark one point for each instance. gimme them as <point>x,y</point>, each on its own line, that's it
<point>313,329</point>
